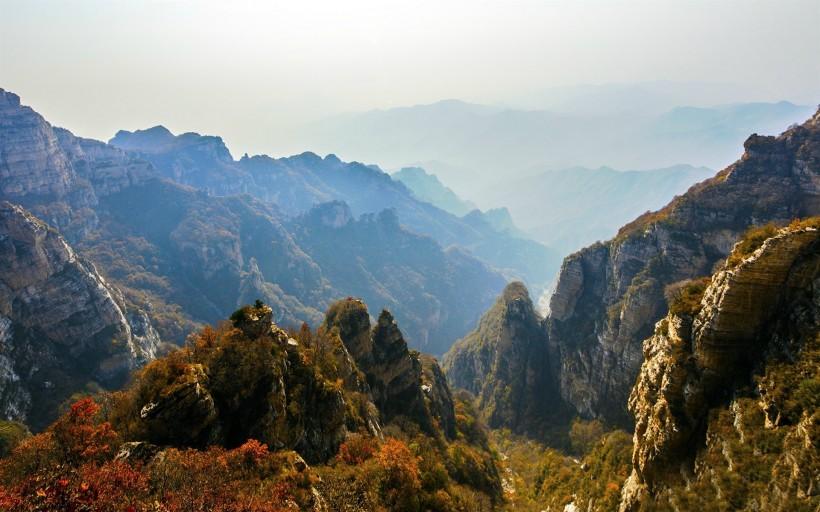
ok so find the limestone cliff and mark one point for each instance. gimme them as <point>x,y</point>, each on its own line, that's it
<point>57,176</point>
<point>610,295</point>
<point>506,364</point>
<point>725,403</point>
<point>402,383</point>
<point>62,326</point>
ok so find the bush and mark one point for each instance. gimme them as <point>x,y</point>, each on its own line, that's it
<point>584,435</point>
<point>684,297</point>
<point>751,240</point>
<point>12,434</point>
<point>357,449</point>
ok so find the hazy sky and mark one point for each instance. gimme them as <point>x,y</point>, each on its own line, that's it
<point>249,70</point>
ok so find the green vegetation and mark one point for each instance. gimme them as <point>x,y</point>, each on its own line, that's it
<point>11,434</point>
<point>760,450</point>
<point>684,297</point>
<point>540,478</point>
<point>751,240</point>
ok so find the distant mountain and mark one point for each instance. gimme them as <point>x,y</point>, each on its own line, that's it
<point>298,183</point>
<point>176,256</point>
<point>475,144</point>
<point>570,208</point>
<point>427,187</point>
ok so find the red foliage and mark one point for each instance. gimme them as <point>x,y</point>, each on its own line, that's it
<point>357,449</point>
<point>80,437</point>
<point>91,488</point>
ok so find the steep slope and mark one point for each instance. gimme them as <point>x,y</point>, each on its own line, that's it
<point>188,257</point>
<point>435,293</point>
<point>726,397</point>
<point>57,176</point>
<point>609,295</point>
<point>502,362</point>
<point>62,326</point>
<point>296,184</point>
<point>401,383</point>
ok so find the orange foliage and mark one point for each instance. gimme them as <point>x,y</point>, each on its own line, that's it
<point>357,449</point>
<point>80,437</point>
<point>400,482</point>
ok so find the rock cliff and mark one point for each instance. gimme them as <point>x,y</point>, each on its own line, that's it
<point>503,363</point>
<point>255,381</point>
<point>188,256</point>
<point>62,326</point>
<point>402,383</point>
<point>728,388</point>
<point>609,296</point>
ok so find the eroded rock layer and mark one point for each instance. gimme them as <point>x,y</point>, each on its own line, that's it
<point>62,327</point>
<point>724,403</point>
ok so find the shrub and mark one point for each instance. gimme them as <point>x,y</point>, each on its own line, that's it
<point>684,297</point>
<point>584,435</point>
<point>11,434</point>
<point>751,240</point>
<point>357,449</point>
<point>80,437</point>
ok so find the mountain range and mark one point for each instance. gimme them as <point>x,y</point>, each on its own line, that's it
<point>472,146</point>
<point>155,257</point>
<point>182,330</point>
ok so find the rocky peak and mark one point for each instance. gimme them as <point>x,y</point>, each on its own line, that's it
<point>351,318</point>
<point>608,296</point>
<point>698,365</point>
<point>333,214</point>
<point>31,161</point>
<point>399,383</point>
<point>504,361</point>
<point>254,321</point>
<point>150,139</point>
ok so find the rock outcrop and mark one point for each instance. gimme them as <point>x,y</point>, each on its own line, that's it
<point>610,295</point>
<point>505,362</point>
<point>57,176</point>
<point>402,383</point>
<point>253,381</point>
<point>62,326</point>
<point>739,362</point>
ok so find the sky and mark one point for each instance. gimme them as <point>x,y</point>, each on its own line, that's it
<point>252,70</point>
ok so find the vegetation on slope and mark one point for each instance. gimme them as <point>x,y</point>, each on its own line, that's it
<point>226,424</point>
<point>587,472</point>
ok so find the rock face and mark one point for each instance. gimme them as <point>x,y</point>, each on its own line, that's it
<point>63,326</point>
<point>401,383</point>
<point>503,363</point>
<point>761,317</point>
<point>609,296</point>
<point>57,176</point>
<point>187,256</point>
<point>254,381</point>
